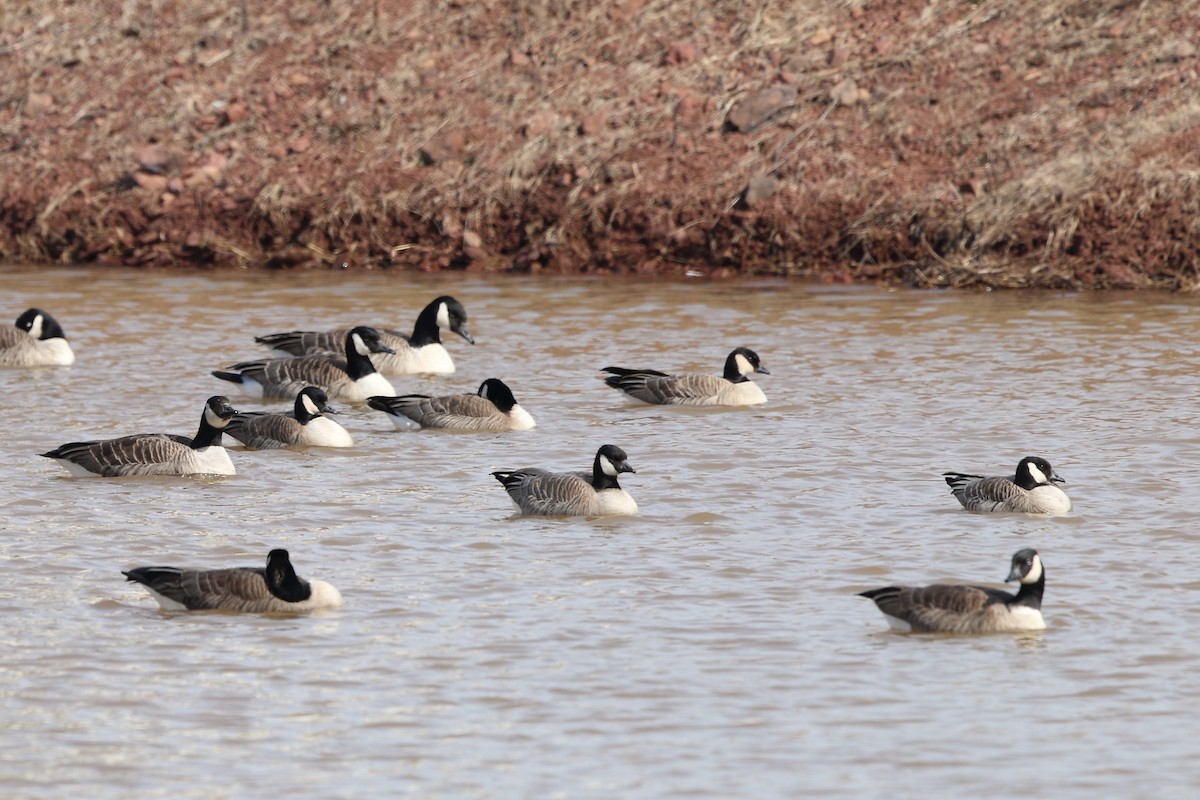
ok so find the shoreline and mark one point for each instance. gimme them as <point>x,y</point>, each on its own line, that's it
<point>1021,145</point>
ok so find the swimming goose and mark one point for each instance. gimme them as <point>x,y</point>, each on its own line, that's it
<point>1031,490</point>
<point>353,378</point>
<point>955,608</point>
<point>155,453</point>
<point>493,408</point>
<point>256,590</point>
<point>422,352</point>
<point>733,388</point>
<point>537,491</point>
<point>36,340</point>
<point>304,427</point>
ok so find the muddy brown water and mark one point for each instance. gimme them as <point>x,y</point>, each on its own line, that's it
<point>711,647</point>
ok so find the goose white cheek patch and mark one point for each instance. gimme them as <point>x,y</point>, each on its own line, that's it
<point>443,316</point>
<point>606,467</point>
<point>309,405</point>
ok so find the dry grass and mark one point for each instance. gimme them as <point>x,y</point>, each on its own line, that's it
<point>1004,143</point>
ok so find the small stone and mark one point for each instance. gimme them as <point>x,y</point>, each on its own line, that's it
<point>38,103</point>
<point>822,36</point>
<point>541,124</point>
<point>476,253</point>
<point>151,181</point>
<point>234,112</point>
<point>680,53</point>
<point>157,159</point>
<point>592,124</point>
<point>1177,50</point>
<point>446,146</point>
<point>758,189</point>
<point>845,92</point>
<point>518,59</point>
<point>748,114</point>
<point>472,239</point>
<point>301,143</point>
<point>689,109</point>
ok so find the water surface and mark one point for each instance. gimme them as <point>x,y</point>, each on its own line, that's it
<point>711,647</point>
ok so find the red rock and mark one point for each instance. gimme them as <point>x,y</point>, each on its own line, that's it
<point>758,189</point>
<point>759,108</point>
<point>518,59</point>
<point>234,112</point>
<point>472,239</point>
<point>845,92</point>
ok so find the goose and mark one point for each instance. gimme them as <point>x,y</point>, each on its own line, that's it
<point>537,491</point>
<point>733,388</point>
<point>422,352</point>
<point>257,590</point>
<point>492,408</point>
<point>353,378</point>
<point>1031,490</point>
<point>304,427</point>
<point>956,608</point>
<point>36,340</point>
<point>155,453</point>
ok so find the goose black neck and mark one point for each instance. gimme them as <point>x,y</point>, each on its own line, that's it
<point>208,435</point>
<point>1030,594</point>
<point>282,580</point>
<point>357,365</point>
<point>732,374</point>
<point>427,330</point>
<point>600,479</point>
<point>301,412</point>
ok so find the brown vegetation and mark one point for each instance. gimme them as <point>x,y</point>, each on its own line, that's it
<point>1002,143</point>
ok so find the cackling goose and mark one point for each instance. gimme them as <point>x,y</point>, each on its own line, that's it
<point>956,608</point>
<point>493,408</point>
<point>733,388</point>
<point>537,491</point>
<point>155,453</point>
<point>422,352</point>
<point>36,340</point>
<point>275,589</point>
<point>304,427</point>
<point>353,378</point>
<point>1031,490</point>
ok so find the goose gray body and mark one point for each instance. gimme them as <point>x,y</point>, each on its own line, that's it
<point>353,378</point>
<point>1031,490</point>
<point>306,426</point>
<point>154,453</point>
<point>36,340</point>
<point>540,492</point>
<point>732,388</point>
<point>420,352</point>
<point>273,589</point>
<point>492,408</point>
<point>955,608</point>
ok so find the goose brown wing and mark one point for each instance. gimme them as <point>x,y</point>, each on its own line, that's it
<point>139,454</point>
<point>940,607</point>
<point>990,494</point>
<point>285,377</point>
<point>263,430</point>
<point>551,494</point>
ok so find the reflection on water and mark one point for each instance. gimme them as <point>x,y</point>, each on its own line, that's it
<point>712,646</point>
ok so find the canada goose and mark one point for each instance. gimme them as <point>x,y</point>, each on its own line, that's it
<point>537,491</point>
<point>733,388</point>
<point>353,378</point>
<point>36,340</point>
<point>493,408</point>
<point>155,453</point>
<point>955,608</point>
<point>422,352</point>
<point>304,427</point>
<point>1031,490</point>
<point>256,590</point>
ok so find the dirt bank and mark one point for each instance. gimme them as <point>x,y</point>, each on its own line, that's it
<point>1014,143</point>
